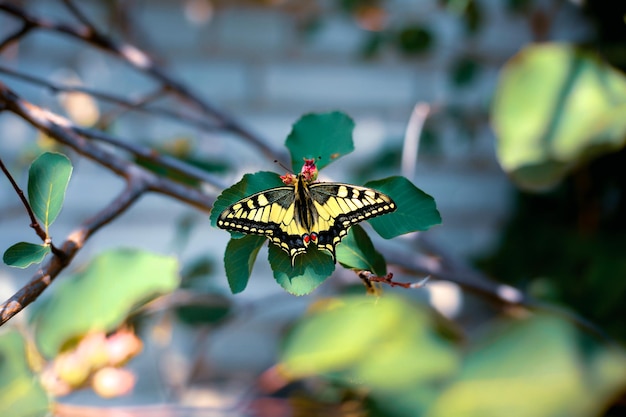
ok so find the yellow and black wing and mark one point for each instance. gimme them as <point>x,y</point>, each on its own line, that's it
<point>339,206</point>
<point>292,217</point>
<point>267,213</point>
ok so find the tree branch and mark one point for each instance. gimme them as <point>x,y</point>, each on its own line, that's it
<point>136,105</point>
<point>61,129</point>
<point>33,220</point>
<point>75,241</point>
<point>142,62</point>
<point>139,181</point>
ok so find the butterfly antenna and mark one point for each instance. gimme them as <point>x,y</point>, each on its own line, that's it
<point>280,164</point>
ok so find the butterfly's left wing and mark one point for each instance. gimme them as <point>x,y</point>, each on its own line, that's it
<point>269,213</point>
<point>339,206</point>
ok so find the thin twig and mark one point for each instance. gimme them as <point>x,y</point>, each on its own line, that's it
<point>15,36</point>
<point>60,129</point>
<point>142,62</point>
<point>367,277</point>
<point>151,155</point>
<point>412,137</point>
<point>475,282</point>
<point>33,220</point>
<point>75,241</point>
<point>136,105</point>
<point>79,15</point>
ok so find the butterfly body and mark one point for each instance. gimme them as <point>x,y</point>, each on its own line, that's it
<point>304,212</point>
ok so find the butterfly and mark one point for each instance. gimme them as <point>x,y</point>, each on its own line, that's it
<point>305,211</point>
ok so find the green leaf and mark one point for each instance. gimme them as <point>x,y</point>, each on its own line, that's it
<point>326,136</point>
<point>383,343</point>
<point>356,251</point>
<point>534,368</point>
<point>416,209</point>
<point>21,395</point>
<point>239,259</point>
<point>102,296</point>
<point>555,109</point>
<point>211,310</point>
<point>249,184</point>
<point>48,177</point>
<point>414,40</point>
<point>310,269</point>
<point>24,254</point>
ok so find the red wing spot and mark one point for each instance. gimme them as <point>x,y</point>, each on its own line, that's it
<point>313,237</point>
<point>306,238</point>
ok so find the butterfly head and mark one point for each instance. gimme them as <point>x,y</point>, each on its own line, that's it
<point>308,173</point>
<point>309,170</point>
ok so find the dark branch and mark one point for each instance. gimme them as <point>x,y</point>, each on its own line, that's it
<point>61,130</point>
<point>137,105</point>
<point>142,62</point>
<point>33,220</point>
<point>75,241</point>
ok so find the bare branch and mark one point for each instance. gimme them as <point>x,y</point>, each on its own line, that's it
<point>33,220</point>
<point>142,62</point>
<point>75,241</point>
<point>137,105</point>
<point>79,15</point>
<point>61,129</point>
<point>15,36</point>
<point>475,282</point>
<point>149,154</point>
<point>139,181</point>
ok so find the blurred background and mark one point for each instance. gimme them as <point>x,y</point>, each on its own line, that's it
<point>266,63</point>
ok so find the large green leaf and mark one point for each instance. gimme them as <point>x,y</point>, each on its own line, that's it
<point>309,271</point>
<point>102,296</point>
<point>320,136</point>
<point>249,184</point>
<point>384,344</point>
<point>555,108</point>
<point>534,368</point>
<point>21,395</point>
<point>48,177</point>
<point>24,254</point>
<point>239,259</point>
<point>356,251</point>
<point>416,209</point>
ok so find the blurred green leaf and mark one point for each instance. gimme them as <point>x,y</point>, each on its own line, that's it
<point>183,149</point>
<point>416,209</point>
<point>196,272</point>
<point>21,395</point>
<point>356,251</point>
<point>24,254</point>
<point>249,184</point>
<point>209,308</point>
<point>309,271</point>
<point>473,17</point>
<point>414,40</point>
<point>48,177</point>
<point>239,259</point>
<point>326,136</point>
<point>383,344</point>
<point>464,71</point>
<point>372,45</point>
<point>533,368</point>
<point>556,108</point>
<point>102,296</point>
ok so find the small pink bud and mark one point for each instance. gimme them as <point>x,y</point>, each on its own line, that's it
<point>122,346</point>
<point>93,350</point>
<point>71,369</point>
<point>53,384</point>
<point>112,382</point>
